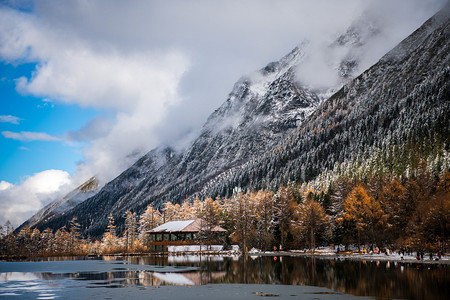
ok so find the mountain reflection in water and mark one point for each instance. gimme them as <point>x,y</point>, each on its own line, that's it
<point>363,278</point>
<point>377,279</point>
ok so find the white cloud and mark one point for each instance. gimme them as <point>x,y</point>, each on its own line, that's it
<point>27,136</point>
<point>136,85</point>
<point>19,202</point>
<point>5,185</point>
<point>10,119</point>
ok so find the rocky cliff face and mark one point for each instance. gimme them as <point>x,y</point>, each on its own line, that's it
<point>272,129</point>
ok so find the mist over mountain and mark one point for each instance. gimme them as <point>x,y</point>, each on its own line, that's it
<point>69,201</point>
<point>278,126</point>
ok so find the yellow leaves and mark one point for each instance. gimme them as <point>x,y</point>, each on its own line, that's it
<point>362,208</point>
<point>444,182</point>
<point>311,214</point>
<point>311,221</point>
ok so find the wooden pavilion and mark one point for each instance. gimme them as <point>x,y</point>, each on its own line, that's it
<point>183,232</point>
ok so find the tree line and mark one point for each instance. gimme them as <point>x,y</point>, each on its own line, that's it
<point>411,213</point>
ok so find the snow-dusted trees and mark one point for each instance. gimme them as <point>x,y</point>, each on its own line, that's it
<point>110,242</point>
<point>404,212</point>
<point>74,231</point>
<point>170,211</point>
<point>62,241</point>
<point>47,241</point>
<point>150,219</point>
<point>129,234</point>
<point>23,241</point>
<point>36,242</point>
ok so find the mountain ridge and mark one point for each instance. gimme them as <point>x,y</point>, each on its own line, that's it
<point>355,120</point>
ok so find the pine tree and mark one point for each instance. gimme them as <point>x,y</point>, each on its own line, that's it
<point>47,241</point>
<point>110,242</point>
<point>74,231</point>
<point>130,229</point>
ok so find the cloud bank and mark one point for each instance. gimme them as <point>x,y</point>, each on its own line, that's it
<point>17,203</point>
<point>159,68</point>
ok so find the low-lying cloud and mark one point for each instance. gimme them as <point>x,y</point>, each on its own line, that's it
<point>19,202</point>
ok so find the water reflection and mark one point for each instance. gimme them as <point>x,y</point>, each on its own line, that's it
<point>382,279</point>
<point>18,284</point>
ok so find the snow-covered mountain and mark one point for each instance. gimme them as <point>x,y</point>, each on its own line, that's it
<point>260,111</point>
<point>60,206</point>
<point>274,127</point>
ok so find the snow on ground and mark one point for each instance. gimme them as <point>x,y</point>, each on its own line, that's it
<point>354,254</point>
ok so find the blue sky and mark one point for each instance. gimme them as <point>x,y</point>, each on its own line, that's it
<point>35,114</point>
<point>87,87</point>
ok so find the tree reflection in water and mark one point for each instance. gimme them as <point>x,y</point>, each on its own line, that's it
<point>381,279</point>
<point>376,279</point>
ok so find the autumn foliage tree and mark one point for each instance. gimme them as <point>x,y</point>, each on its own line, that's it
<point>311,222</point>
<point>210,219</point>
<point>411,212</point>
<point>264,220</point>
<point>150,219</point>
<point>241,217</point>
<point>110,241</point>
<point>366,214</point>
<point>284,206</point>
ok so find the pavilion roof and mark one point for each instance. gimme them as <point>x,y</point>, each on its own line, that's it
<point>193,225</point>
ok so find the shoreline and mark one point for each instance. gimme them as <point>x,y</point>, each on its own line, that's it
<point>355,256</point>
<point>327,254</point>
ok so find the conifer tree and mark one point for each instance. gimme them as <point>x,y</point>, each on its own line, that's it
<point>74,231</point>
<point>130,229</point>
<point>110,240</point>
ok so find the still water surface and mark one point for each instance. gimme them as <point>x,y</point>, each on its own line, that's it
<point>47,279</point>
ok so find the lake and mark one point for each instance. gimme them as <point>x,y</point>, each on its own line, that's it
<point>201,277</point>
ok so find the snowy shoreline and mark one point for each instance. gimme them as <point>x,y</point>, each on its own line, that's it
<point>327,254</point>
